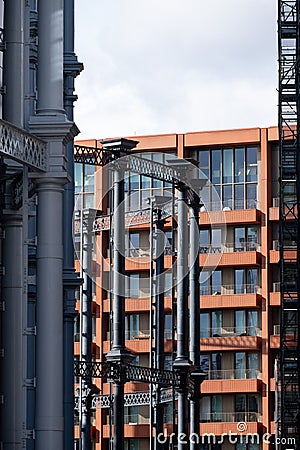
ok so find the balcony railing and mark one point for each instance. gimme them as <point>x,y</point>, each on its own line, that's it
<point>144,252</point>
<point>136,419</point>
<point>230,331</point>
<point>233,374</point>
<point>230,205</point>
<point>230,417</point>
<point>229,289</point>
<point>231,247</point>
<point>136,335</point>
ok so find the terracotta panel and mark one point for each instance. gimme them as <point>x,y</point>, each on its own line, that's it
<point>274,256</point>
<point>274,341</point>
<point>274,214</point>
<point>233,343</point>
<point>130,431</point>
<point>230,259</point>
<point>223,137</point>
<point>230,386</point>
<point>230,301</point>
<point>218,428</point>
<point>275,299</point>
<point>240,216</point>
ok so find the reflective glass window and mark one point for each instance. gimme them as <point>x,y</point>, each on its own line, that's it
<point>239,165</point>
<point>216,166</point>
<point>227,165</point>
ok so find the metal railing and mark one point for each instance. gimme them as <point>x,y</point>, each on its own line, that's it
<point>230,417</point>
<point>231,247</point>
<point>230,331</point>
<point>233,374</point>
<point>136,335</point>
<point>229,205</point>
<point>229,289</point>
<point>144,252</point>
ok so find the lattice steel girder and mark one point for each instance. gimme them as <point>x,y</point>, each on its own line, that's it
<point>22,147</point>
<point>125,372</point>
<point>133,218</point>
<point>130,399</point>
<point>177,174</point>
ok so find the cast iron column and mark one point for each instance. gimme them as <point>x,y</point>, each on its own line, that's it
<point>51,124</point>
<point>70,280</point>
<point>159,318</point>
<point>182,364</point>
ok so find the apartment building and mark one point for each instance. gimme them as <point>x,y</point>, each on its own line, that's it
<point>239,284</point>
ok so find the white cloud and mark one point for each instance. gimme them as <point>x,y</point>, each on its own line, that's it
<point>171,66</point>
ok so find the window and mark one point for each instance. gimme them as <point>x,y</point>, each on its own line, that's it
<point>210,282</point>
<point>216,323</point>
<point>216,408</point>
<point>168,326</point>
<point>204,325</point>
<point>246,365</point>
<point>245,281</point>
<point>233,173</point>
<point>246,322</point>
<point>132,326</point>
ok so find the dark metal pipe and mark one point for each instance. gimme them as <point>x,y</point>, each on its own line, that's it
<point>194,316</point>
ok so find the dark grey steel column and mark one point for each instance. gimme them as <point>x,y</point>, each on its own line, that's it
<point>194,315</point>
<point>70,280</point>
<point>51,124</point>
<point>12,361</point>
<point>12,410</point>
<point>86,320</point>
<point>159,318</point>
<point>182,364</point>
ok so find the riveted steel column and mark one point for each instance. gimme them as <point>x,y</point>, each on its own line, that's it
<point>70,280</point>
<point>159,318</point>
<point>194,316</point>
<point>182,363</point>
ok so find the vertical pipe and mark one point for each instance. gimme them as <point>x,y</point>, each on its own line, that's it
<point>194,316</point>
<point>118,353</point>
<point>86,313</point>
<point>182,363</point>
<point>159,319</point>
<point>151,321</point>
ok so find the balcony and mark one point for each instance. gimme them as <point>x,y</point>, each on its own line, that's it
<point>139,341</point>
<point>230,338</point>
<point>230,296</point>
<point>230,331</point>
<point>231,417</point>
<point>232,381</point>
<point>230,254</point>
<point>275,299</point>
<point>213,213</point>
<point>233,374</point>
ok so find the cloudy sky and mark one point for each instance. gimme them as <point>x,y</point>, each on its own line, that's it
<point>160,66</point>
